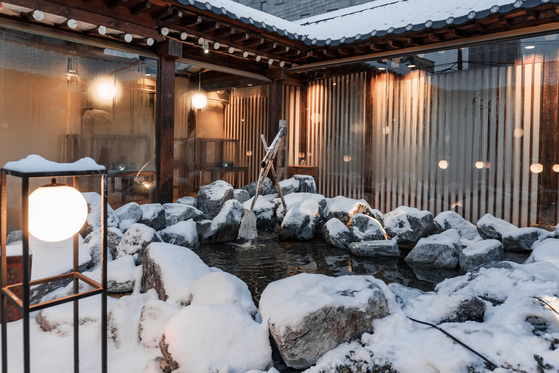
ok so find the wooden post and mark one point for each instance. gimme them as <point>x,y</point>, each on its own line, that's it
<point>168,51</point>
<point>276,108</point>
<point>282,153</point>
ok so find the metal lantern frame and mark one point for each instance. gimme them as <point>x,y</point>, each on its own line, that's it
<point>23,304</point>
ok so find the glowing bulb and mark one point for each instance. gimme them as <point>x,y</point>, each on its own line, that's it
<point>443,165</point>
<point>411,66</point>
<point>530,47</point>
<point>301,155</point>
<point>56,212</point>
<point>518,132</point>
<point>206,47</point>
<point>147,185</point>
<point>347,158</point>
<point>316,118</point>
<point>536,168</point>
<point>386,130</point>
<point>479,165</point>
<point>199,101</point>
<point>249,153</point>
<point>381,68</point>
<point>106,90</point>
<point>555,168</point>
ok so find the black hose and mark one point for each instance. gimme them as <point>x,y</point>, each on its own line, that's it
<point>490,365</point>
<point>547,304</point>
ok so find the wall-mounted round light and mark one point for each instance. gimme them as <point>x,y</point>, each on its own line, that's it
<point>518,132</point>
<point>106,90</point>
<point>536,168</point>
<point>56,212</point>
<point>530,47</point>
<point>249,153</point>
<point>479,165</point>
<point>199,101</point>
<point>443,165</point>
<point>555,168</point>
<point>347,158</point>
<point>206,46</point>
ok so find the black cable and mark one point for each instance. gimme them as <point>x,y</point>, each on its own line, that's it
<point>547,304</point>
<point>491,365</point>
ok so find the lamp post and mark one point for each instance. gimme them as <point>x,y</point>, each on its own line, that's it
<point>53,212</point>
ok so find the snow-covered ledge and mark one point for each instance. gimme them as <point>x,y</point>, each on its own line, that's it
<point>36,163</point>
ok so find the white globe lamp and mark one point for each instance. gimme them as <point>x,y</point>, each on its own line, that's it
<point>199,101</point>
<point>106,90</point>
<point>56,212</point>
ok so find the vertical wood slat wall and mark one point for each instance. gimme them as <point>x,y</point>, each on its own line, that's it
<point>484,124</point>
<point>335,134</point>
<point>246,117</point>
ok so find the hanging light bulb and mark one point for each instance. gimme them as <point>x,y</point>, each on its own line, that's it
<point>206,46</point>
<point>56,212</point>
<point>199,100</point>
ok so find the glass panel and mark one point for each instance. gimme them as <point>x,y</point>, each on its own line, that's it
<point>65,101</point>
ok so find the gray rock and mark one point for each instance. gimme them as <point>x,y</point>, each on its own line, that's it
<point>375,249</point>
<point>212,197</point>
<point>202,226</point>
<point>337,234</point>
<point>130,211</point>
<point>426,272</point>
<point>14,236</point>
<point>114,235</point>
<point>440,250</point>
<point>265,211</point>
<point>490,227</point>
<point>365,228</point>
<point>445,308</point>
<point>267,188</point>
<point>288,186</point>
<point>343,209</point>
<point>301,221</point>
<point>241,195</point>
<point>122,275</point>
<point>225,226</point>
<point>408,224</point>
<point>190,201</point>
<point>248,230</point>
<point>93,221</point>
<point>295,198</point>
<point>480,253</point>
<point>472,309</point>
<point>136,240</point>
<point>522,239</point>
<point>451,220</point>
<point>306,184</point>
<point>176,212</point>
<point>183,233</point>
<point>375,214</point>
<point>153,215</point>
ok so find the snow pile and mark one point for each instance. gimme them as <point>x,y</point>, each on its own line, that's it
<point>451,220</point>
<point>490,227</point>
<point>480,253</point>
<point>546,251</point>
<point>36,163</point>
<point>136,239</point>
<point>183,233</point>
<point>176,212</point>
<point>289,186</point>
<point>154,316</point>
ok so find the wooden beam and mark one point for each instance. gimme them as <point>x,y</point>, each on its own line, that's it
<point>225,32</point>
<point>267,46</point>
<point>208,26</point>
<point>162,13</point>
<point>414,41</point>
<point>293,53</point>
<point>531,14</point>
<point>117,19</point>
<point>254,42</point>
<point>112,4</point>
<point>225,60</point>
<point>344,51</point>
<point>168,51</point>
<point>191,20</point>
<point>141,7</point>
<point>240,38</point>
<point>394,44</point>
<point>228,82</point>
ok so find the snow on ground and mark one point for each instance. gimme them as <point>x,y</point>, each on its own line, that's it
<point>546,251</point>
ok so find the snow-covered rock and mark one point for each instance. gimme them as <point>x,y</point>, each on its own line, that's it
<point>206,337</point>
<point>546,251</point>
<point>170,270</point>
<point>14,236</point>
<point>490,227</point>
<point>129,212</point>
<point>310,314</point>
<point>337,234</point>
<point>94,241</point>
<point>288,186</point>
<point>265,211</point>
<point>300,221</point>
<point>136,240</point>
<point>248,229</point>
<point>93,221</point>
<point>479,253</point>
<point>522,239</point>
<point>267,188</point>
<point>202,226</point>
<point>176,212</point>
<point>213,196</point>
<point>439,250</point>
<point>222,288</point>
<point>408,224</point>
<point>153,215</point>
<point>190,201</point>
<point>241,195</point>
<point>343,209</point>
<point>225,225</point>
<point>183,233</point>
<point>437,309</point>
<point>154,316</point>
<point>306,183</point>
<point>124,318</point>
<point>295,198</point>
<point>375,248</point>
<point>365,228</point>
<point>404,293</point>
<point>451,220</point>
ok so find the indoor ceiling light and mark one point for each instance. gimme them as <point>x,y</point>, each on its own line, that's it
<point>206,46</point>
<point>199,100</point>
<point>106,90</point>
<point>530,47</point>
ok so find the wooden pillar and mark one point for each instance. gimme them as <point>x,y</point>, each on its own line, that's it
<point>368,133</point>
<point>276,107</point>
<point>168,51</point>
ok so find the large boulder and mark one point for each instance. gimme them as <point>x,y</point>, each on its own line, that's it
<point>241,195</point>
<point>296,198</point>
<point>546,251</point>
<point>439,250</point>
<point>267,188</point>
<point>176,212</point>
<point>128,214</point>
<point>522,239</point>
<point>300,221</point>
<point>480,253</point>
<point>265,211</point>
<point>343,209</point>
<point>211,197</point>
<point>136,239</point>
<point>222,288</point>
<point>93,221</point>
<point>365,228</point>
<point>190,201</point>
<point>337,234</point>
<point>121,276</point>
<point>183,233</point>
<point>170,270</point>
<point>490,227</point>
<point>154,316</point>
<point>408,224</point>
<point>94,240</point>
<point>153,215</point>
<point>451,220</point>
<point>375,249</point>
<point>123,320</point>
<point>288,186</point>
<point>225,225</point>
<point>206,337</point>
<point>310,314</point>
<point>306,184</point>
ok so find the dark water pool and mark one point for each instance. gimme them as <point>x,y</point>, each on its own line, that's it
<point>267,259</point>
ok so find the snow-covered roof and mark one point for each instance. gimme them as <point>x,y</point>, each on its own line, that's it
<point>373,19</point>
